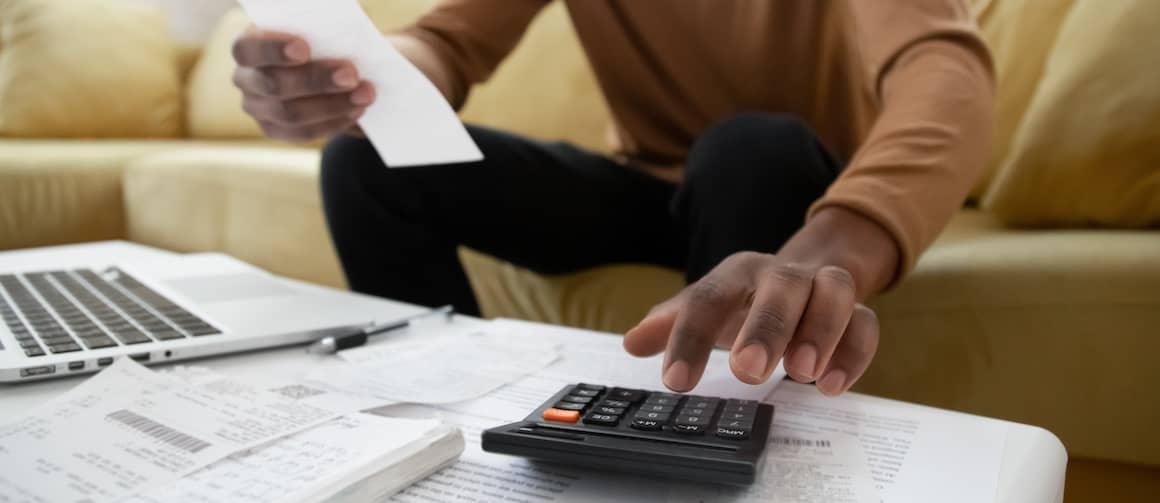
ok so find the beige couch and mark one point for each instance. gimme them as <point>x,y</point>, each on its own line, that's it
<point>1056,328</point>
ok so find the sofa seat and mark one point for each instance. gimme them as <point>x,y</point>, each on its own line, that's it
<point>68,191</point>
<point>990,318</point>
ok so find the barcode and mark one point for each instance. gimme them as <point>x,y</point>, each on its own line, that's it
<point>159,431</point>
<point>800,442</point>
<point>298,391</point>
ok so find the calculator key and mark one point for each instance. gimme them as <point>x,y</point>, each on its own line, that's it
<point>585,392</point>
<point>628,395</point>
<point>603,409</point>
<point>689,429</point>
<point>569,406</point>
<point>661,400</point>
<point>695,412</point>
<point>594,387</point>
<point>653,416</point>
<point>732,433</point>
<point>616,403</point>
<point>601,419</point>
<point>692,420</point>
<point>699,402</point>
<point>736,416</point>
<point>562,416</point>
<point>577,399</point>
<point>656,408</point>
<point>735,424</point>
<point>647,424</point>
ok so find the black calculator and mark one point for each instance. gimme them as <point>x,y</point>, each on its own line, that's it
<point>684,437</point>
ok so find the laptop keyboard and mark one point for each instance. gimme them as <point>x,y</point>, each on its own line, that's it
<point>67,311</point>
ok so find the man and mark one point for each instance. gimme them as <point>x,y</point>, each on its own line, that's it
<point>735,122</point>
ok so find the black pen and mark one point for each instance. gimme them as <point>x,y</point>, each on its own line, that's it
<point>334,344</point>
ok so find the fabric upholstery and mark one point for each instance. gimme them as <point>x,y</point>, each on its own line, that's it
<point>258,204</point>
<point>1088,149</point>
<point>213,104</point>
<point>1021,35</point>
<point>87,68</point>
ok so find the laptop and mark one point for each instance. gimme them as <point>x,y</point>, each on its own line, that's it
<point>74,310</point>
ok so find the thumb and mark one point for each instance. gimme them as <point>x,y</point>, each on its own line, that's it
<point>651,335</point>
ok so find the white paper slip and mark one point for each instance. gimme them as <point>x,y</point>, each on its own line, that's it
<point>906,448</point>
<point>410,123</point>
<point>798,469</point>
<point>128,429</point>
<point>315,465</point>
<point>440,370</point>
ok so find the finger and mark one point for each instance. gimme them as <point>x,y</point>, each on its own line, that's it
<point>772,319</point>
<point>707,307</point>
<point>854,353</point>
<point>651,335</point>
<point>261,49</point>
<point>309,110</point>
<point>310,79</point>
<point>827,314</point>
<point>303,134</point>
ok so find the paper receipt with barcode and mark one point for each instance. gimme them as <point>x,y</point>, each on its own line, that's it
<point>128,429</point>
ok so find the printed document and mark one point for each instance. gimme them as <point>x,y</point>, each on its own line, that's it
<point>410,122</point>
<point>439,370</point>
<point>287,469</point>
<point>129,429</point>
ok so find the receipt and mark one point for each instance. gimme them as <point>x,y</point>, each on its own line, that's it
<point>439,370</point>
<point>410,122</point>
<point>129,429</point>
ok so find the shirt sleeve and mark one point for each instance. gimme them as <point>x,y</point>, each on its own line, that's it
<point>933,81</point>
<point>472,37</point>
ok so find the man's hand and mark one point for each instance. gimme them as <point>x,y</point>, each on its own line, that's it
<point>292,97</point>
<point>802,303</point>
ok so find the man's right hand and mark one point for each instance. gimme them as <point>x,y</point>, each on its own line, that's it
<point>292,97</point>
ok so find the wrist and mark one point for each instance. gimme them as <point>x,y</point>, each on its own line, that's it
<point>836,236</point>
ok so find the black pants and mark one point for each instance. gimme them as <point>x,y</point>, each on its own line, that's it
<point>555,209</point>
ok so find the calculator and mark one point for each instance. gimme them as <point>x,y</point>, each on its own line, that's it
<point>626,430</point>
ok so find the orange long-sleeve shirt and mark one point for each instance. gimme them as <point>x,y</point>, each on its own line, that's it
<point>901,88</point>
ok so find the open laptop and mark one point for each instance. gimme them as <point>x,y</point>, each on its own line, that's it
<point>73,310</point>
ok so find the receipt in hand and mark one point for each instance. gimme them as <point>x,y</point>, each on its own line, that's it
<point>129,429</point>
<point>410,122</point>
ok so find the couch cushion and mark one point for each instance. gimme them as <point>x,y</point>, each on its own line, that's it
<point>1088,149</point>
<point>992,321</point>
<point>87,68</point>
<point>54,192</point>
<point>260,205</point>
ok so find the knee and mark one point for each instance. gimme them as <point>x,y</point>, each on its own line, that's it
<point>754,148</point>
<point>347,163</point>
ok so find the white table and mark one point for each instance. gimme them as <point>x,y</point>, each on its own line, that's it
<point>1032,467</point>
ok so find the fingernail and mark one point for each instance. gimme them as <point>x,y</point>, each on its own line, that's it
<point>346,78</point>
<point>362,97</point>
<point>297,51</point>
<point>677,376</point>
<point>803,360</point>
<point>833,382</point>
<point>752,360</point>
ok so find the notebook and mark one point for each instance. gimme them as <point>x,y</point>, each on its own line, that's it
<point>358,457</point>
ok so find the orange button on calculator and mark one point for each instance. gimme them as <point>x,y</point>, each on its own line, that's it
<point>562,416</point>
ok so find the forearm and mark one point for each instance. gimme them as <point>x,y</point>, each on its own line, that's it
<point>836,236</point>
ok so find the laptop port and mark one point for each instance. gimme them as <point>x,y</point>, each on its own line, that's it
<point>38,371</point>
<point>76,365</point>
<point>140,357</point>
<point>105,362</point>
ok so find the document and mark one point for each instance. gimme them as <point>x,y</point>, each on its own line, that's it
<point>410,122</point>
<point>129,429</point>
<point>291,469</point>
<point>798,469</point>
<point>440,370</point>
<point>906,448</point>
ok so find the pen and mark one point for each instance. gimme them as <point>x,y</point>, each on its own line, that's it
<point>334,344</point>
